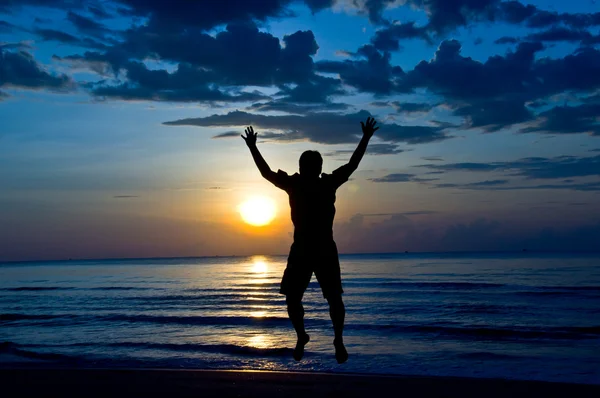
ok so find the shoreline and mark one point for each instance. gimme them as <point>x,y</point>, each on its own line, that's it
<point>65,382</point>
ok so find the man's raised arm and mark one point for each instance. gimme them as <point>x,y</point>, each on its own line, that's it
<point>260,162</point>
<point>342,174</point>
<point>368,130</point>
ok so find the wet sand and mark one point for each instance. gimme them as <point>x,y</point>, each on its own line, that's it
<point>206,383</point>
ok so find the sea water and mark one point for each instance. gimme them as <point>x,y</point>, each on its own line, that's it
<point>518,316</point>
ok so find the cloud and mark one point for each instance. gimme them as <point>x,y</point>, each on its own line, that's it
<point>87,25</point>
<point>561,33</point>
<point>474,185</point>
<point>397,233</point>
<point>125,196</point>
<point>411,107</point>
<point>388,39</point>
<point>499,186</point>
<point>6,27</point>
<point>99,12</point>
<point>185,84</point>
<point>532,168</point>
<point>63,37</point>
<point>20,69</point>
<point>370,71</point>
<point>396,177</point>
<point>295,108</point>
<point>219,61</point>
<point>206,15</point>
<point>373,149</point>
<point>568,120</point>
<point>325,127</point>
<point>507,40</point>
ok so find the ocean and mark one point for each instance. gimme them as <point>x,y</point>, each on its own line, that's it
<point>518,316</point>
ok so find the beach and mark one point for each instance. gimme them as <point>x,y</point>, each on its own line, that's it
<point>204,383</point>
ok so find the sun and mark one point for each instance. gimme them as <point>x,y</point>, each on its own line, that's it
<point>258,211</point>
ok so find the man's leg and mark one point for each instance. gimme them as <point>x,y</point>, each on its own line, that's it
<point>337,311</point>
<point>296,314</point>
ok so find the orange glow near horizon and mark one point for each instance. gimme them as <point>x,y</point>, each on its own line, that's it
<point>258,211</point>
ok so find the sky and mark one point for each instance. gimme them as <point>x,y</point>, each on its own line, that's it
<point>120,123</point>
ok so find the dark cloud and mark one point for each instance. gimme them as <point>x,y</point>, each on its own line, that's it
<point>568,120</point>
<point>373,73</point>
<point>296,63</point>
<point>325,127</point>
<point>474,185</point>
<point>99,12</point>
<point>87,25</point>
<point>268,135</point>
<point>561,33</point>
<point>501,186</point>
<point>507,40</point>
<point>186,84</point>
<point>56,35</point>
<point>395,177</point>
<point>388,39</point>
<point>240,55</point>
<point>318,90</point>
<point>433,158</point>
<point>63,37</point>
<point>494,115</point>
<point>532,168</point>
<point>374,149</point>
<point>447,15</point>
<point>20,69</point>
<point>125,196</point>
<point>176,14</point>
<point>457,77</point>
<point>295,108</point>
<point>411,107</point>
<point>487,183</point>
<point>6,27</point>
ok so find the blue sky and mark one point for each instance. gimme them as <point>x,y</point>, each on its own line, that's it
<point>120,123</point>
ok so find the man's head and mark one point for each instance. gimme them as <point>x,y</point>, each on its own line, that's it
<point>311,164</point>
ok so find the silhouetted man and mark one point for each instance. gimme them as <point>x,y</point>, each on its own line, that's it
<point>312,198</point>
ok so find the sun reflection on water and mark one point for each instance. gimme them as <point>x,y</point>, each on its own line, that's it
<point>259,265</point>
<point>259,341</point>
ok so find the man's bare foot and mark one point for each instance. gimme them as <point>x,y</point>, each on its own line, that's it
<point>341,355</point>
<point>299,350</point>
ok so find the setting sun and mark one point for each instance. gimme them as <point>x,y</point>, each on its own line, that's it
<point>258,211</point>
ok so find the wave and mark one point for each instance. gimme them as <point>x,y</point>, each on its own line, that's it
<point>435,285</point>
<point>50,288</point>
<point>8,347</point>
<point>489,356</point>
<point>35,288</point>
<point>27,317</point>
<point>271,321</point>
<point>123,288</point>
<point>227,349</point>
<point>569,333</point>
<point>571,288</point>
<point>212,348</point>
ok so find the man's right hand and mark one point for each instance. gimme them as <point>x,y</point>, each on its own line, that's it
<point>369,128</point>
<point>250,137</point>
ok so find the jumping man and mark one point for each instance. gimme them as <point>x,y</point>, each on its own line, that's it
<point>312,199</point>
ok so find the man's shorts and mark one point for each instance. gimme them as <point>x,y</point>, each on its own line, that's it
<point>304,259</point>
